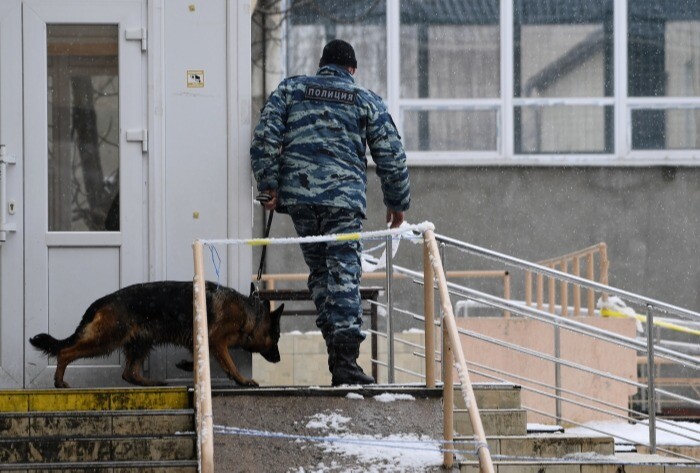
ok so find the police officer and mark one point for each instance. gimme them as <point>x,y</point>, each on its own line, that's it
<point>308,155</point>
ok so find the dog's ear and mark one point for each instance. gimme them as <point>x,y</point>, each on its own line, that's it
<point>252,290</point>
<point>277,313</point>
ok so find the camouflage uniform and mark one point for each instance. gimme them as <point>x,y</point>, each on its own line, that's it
<point>310,146</point>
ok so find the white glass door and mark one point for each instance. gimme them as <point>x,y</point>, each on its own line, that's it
<point>84,170</point>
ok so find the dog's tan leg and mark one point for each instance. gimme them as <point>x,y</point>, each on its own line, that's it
<point>133,373</point>
<point>222,356</point>
<point>81,349</point>
<point>61,365</point>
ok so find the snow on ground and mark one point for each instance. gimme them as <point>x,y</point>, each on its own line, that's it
<point>398,452</point>
<point>667,432</point>
<point>393,453</point>
<point>333,421</point>
<point>390,397</point>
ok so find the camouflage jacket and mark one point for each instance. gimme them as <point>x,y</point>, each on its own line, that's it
<point>311,141</point>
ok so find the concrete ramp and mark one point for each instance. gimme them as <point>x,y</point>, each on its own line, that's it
<point>378,428</point>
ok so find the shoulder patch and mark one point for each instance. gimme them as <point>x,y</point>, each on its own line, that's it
<point>314,92</point>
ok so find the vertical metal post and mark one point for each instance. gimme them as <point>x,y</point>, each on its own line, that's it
<point>374,324</point>
<point>389,311</point>
<point>429,315</point>
<point>577,288</point>
<point>443,347</point>
<point>651,385</point>
<point>448,393</point>
<point>557,372</point>
<point>448,385</point>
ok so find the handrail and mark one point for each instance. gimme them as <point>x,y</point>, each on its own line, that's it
<point>455,348</point>
<point>568,323</point>
<point>202,378</point>
<point>627,295</point>
<point>554,274</point>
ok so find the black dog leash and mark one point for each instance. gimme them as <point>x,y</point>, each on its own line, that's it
<point>263,199</point>
<point>264,248</point>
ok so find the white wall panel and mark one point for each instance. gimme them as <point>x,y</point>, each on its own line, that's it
<point>196,132</point>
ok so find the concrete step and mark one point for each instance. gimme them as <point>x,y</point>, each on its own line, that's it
<point>543,446</point>
<point>95,423</point>
<point>55,400</point>
<point>40,450</point>
<point>179,466</point>
<point>491,396</point>
<point>94,436</point>
<point>620,463</point>
<point>292,422</point>
<point>495,422</point>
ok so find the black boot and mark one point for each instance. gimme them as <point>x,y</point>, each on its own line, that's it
<point>328,337</point>
<point>345,369</point>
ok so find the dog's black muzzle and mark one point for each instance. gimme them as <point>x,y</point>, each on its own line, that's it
<point>272,355</point>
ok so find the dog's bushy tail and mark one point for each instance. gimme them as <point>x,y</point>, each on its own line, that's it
<point>49,345</point>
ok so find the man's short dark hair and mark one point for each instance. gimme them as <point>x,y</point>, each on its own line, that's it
<point>338,52</point>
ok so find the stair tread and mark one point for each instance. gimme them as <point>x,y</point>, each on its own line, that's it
<point>591,459</point>
<point>100,464</point>
<point>539,436</point>
<point>52,438</point>
<point>120,412</point>
<point>98,399</point>
<point>509,409</point>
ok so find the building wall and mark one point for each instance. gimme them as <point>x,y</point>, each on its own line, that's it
<point>648,217</point>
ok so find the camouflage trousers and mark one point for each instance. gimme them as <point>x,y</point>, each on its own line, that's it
<point>334,269</point>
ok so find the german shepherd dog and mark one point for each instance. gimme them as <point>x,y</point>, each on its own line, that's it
<point>139,317</point>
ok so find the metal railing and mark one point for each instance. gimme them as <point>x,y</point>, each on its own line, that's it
<point>654,353</point>
<point>452,353</point>
<point>547,270</point>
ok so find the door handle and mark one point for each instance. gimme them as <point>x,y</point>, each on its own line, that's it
<point>4,226</point>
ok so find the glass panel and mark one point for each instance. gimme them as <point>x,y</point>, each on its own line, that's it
<point>450,130</point>
<point>666,129</point>
<point>362,23</point>
<point>563,129</point>
<point>83,131</point>
<point>664,48</point>
<point>563,49</point>
<point>450,49</point>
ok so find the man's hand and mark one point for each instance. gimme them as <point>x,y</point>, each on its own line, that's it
<point>271,203</point>
<point>394,218</point>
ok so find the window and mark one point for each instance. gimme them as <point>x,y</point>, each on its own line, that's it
<point>555,92</point>
<point>664,74</point>
<point>450,62</point>
<point>563,50</point>
<point>83,127</point>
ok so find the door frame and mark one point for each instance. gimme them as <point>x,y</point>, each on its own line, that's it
<point>12,250</point>
<point>132,243</point>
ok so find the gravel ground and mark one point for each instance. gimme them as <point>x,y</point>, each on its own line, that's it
<point>281,416</point>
